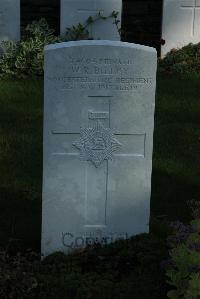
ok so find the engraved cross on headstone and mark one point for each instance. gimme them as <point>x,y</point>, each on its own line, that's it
<point>193,5</point>
<point>97,145</point>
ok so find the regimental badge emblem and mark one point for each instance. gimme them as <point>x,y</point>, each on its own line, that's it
<point>97,144</point>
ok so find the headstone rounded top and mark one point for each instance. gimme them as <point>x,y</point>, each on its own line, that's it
<point>98,140</point>
<point>99,43</point>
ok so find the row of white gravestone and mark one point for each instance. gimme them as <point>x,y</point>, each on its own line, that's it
<point>181,20</point>
<point>181,23</point>
<point>73,12</point>
<point>9,20</point>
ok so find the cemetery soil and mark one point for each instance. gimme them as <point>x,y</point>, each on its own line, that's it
<point>110,272</point>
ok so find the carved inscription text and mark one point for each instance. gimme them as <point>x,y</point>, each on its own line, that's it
<point>100,74</point>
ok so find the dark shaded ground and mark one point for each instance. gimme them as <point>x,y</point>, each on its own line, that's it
<point>123,270</point>
<point>176,169</point>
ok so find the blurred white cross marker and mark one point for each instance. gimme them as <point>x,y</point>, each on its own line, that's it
<point>193,5</point>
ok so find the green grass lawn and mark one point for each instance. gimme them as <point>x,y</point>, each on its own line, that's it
<point>20,162</point>
<point>176,170</point>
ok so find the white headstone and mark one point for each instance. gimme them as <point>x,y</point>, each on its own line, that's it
<point>98,141</point>
<point>181,23</point>
<point>9,20</point>
<point>74,12</point>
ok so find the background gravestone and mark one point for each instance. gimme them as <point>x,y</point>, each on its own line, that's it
<point>98,141</point>
<point>141,19</point>
<point>9,20</point>
<point>74,12</point>
<point>32,10</point>
<point>181,23</point>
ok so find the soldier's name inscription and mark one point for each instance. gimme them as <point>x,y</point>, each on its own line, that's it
<point>104,61</point>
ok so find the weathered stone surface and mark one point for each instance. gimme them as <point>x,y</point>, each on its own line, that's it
<point>74,12</point>
<point>98,141</point>
<point>181,23</point>
<point>9,20</point>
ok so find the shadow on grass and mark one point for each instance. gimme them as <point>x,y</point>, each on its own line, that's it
<point>20,163</point>
<point>169,196</point>
<point>20,221</point>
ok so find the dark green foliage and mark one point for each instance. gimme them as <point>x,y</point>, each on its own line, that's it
<point>183,267</point>
<point>183,61</point>
<point>116,271</point>
<point>20,162</point>
<point>27,56</point>
<point>16,275</point>
<point>116,21</point>
<point>75,33</point>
